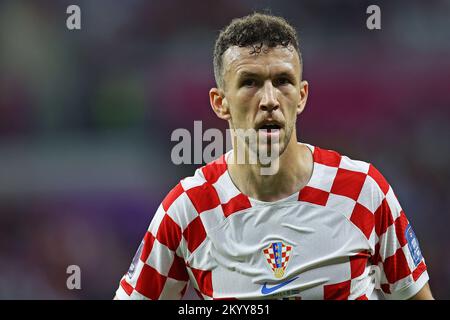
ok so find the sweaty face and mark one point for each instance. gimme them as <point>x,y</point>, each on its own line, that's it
<point>264,92</point>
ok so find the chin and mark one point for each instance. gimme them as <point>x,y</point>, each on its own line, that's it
<point>273,151</point>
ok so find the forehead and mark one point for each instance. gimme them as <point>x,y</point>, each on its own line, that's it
<point>237,60</point>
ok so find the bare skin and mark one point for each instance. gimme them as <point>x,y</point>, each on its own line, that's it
<point>423,294</point>
<point>265,87</point>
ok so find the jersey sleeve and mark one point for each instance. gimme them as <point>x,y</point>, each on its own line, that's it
<point>158,270</point>
<point>397,252</point>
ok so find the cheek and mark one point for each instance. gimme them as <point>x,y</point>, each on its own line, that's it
<point>243,104</point>
<point>246,97</point>
<point>291,100</point>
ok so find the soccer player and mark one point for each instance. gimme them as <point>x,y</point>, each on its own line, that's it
<point>321,226</point>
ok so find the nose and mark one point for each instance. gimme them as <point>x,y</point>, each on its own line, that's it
<point>269,101</point>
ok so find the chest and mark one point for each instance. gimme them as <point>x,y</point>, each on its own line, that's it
<point>282,251</point>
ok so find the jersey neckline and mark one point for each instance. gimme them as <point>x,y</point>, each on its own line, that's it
<point>290,198</point>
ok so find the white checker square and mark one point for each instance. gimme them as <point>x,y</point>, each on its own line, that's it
<point>354,165</point>
<point>182,211</point>
<point>373,240</point>
<point>160,258</point>
<point>341,204</point>
<point>393,203</point>
<point>323,177</point>
<point>202,258</point>
<point>370,195</point>
<point>225,188</point>
<point>156,220</point>
<point>194,181</point>
<point>172,289</point>
<point>212,218</point>
<point>388,243</point>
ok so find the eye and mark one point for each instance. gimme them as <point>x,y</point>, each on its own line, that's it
<point>282,81</point>
<point>248,83</point>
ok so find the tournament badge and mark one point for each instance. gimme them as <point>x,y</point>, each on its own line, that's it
<point>277,255</point>
<point>135,261</point>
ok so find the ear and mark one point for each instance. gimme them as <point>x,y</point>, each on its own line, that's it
<point>304,87</point>
<point>219,104</point>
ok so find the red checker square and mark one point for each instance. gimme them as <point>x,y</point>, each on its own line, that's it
<point>379,179</point>
<point>358,264</point>
<point>400,228</point>
<point>178,269</point>
<point>214,170</point>
<point>204,281</point>
<point>194,234</point>
<point>150,282</point>
<point>383,218</point>
<point>203,197</point>
<point>363,219</point>
<point>172,196</point>
<point>376,258</point>
<point>338,291</point>
<point>169,233</point>
<point>396,267</point>
<point>126,287</point>
<point>386,288</point>
<point>419,270</point>
<point>238,203</point>
<point>149,239</point>
<point>327,157</point>
<point>363,297</point>
<point>313,195</point>
<point>348,183</point>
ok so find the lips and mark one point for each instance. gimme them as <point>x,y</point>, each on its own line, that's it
<point>269,125</point>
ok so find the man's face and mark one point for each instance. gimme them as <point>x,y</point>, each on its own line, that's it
<point>263,91</point>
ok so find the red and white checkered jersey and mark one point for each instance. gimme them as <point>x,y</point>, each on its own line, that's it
<point>342,236</point>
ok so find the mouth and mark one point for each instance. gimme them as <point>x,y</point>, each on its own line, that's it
<point>269,126</point>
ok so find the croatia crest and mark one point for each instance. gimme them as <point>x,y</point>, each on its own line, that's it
<point>277,255</point>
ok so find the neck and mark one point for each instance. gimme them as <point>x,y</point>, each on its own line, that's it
<point>294,171</point>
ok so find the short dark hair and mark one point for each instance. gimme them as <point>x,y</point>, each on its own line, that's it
<point>256,30</point>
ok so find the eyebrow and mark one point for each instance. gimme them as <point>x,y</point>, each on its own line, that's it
<point>249,74</point>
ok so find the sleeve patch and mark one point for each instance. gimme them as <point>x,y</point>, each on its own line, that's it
<point>413,245</point>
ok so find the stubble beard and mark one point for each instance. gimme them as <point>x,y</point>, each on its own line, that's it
<point>256,148</point>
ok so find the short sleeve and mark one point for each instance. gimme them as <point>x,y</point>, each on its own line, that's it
<point>158,270</point>
<point>397,252</point>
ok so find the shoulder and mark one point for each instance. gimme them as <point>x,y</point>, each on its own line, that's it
<point>197,188</point>
<point>208,189</point>
<point>345,173</point>
<point>198,203</point>
<point>354,188</point>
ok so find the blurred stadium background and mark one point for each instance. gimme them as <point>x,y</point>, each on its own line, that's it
<point>86,118</point>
